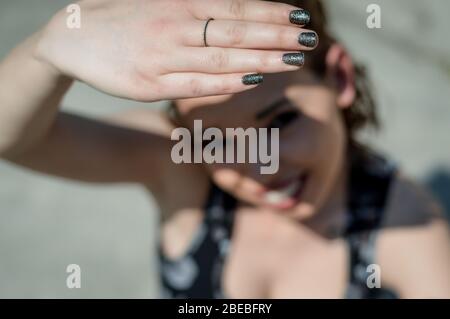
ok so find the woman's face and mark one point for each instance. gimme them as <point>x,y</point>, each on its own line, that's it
<point>311,141</point>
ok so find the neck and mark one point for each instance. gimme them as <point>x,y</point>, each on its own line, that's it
<point>329,221</point>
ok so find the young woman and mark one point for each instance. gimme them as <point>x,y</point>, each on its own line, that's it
<point>334,214</point>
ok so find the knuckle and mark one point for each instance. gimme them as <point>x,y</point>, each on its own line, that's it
<point>137,93</point>
<point>141,84</point>
<point>223,87</point>
<point>237,33</point>
<point>219,59</point>
<point>284,37</point>
<point>238,8</point>
<point>162,26</point>
<point>195,87</point>
<point>265,61</point>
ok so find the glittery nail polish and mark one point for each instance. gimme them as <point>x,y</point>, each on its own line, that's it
<point>297,59</point>
<point>300,17</point>
<point>252,79</point>
<point>308,39</point>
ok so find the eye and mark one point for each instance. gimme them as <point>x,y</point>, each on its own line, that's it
<point>283,119</point>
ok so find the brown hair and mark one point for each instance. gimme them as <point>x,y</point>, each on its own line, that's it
<point>363,111</point>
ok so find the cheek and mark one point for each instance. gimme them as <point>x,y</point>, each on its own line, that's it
<point>334,137</point>
<point>330,132</point>
<point>315,135</point>
<point>312,143</point>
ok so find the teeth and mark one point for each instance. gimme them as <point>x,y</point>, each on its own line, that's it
<point>278,196</point>
<point>275,197</point>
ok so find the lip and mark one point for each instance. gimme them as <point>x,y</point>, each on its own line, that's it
<point>290,200</point>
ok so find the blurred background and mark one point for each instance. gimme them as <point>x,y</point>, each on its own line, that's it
<point>110,231</point>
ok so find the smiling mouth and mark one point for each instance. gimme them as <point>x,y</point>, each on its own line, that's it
<point>287,195</point>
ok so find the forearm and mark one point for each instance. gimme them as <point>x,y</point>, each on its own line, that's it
<point>30,94</point>
<point>97,151</point>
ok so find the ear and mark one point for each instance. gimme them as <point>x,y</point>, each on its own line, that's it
<point>341,71</point>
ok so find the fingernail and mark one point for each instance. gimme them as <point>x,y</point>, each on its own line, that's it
<point>308,39</point>
<point>297,59</point>
<point>301,17</point>
<point>252,79</point>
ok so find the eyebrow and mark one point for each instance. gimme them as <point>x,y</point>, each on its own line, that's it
<point>271,108</point>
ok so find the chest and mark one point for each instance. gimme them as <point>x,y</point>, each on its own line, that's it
<point>268,256</point>
<point>273,257</point>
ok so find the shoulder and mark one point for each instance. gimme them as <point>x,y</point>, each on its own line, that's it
<point>414,242</point>
<point>409,203</point>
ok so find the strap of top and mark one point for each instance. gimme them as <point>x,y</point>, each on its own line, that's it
<point>220,213</point>
<point>369,185</point>
<point>198,273</point>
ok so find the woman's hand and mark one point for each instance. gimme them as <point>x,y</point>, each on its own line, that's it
<point>150,50</point>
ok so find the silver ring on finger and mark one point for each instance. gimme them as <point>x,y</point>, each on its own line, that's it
<point>205,41</point>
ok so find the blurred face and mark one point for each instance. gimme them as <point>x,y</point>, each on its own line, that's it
<point>311,145</point>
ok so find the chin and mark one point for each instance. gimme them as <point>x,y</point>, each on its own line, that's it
<point>303,211</point>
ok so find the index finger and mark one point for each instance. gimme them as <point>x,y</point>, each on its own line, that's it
<point>250,10</point>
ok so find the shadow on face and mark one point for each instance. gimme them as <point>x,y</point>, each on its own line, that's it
<point>311,140</point>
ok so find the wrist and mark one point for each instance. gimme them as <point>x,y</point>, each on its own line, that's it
<point>39,55</point>
<point>40,47</point>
